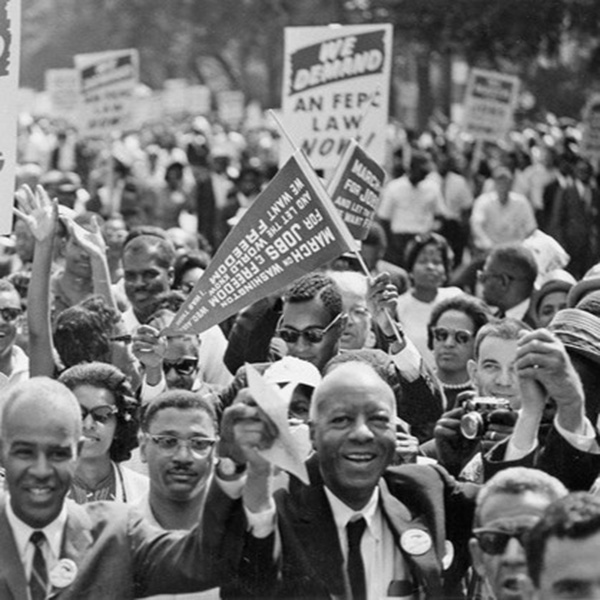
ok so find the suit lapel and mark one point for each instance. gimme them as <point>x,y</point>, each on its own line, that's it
<point>426,565</point>
<point>317,534</point>
<point>77,538</point>
<point>12,573</point>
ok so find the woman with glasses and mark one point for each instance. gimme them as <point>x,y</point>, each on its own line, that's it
<point>428,262</point>
<point>110,427</point>
<point>452,329</point>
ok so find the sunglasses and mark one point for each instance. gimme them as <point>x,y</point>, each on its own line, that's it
<point>100,414</point>
<point>313,335</point>
<point>10,313</point>
<point>461,336</point>
<point>494,542</point>
<point>200,446</point>
<point>183,366</point>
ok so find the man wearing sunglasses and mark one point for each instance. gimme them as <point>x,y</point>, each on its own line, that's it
<point>508,506</point>
<point>14,364</point>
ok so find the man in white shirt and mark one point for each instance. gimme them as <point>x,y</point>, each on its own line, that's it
<point>404,512</point>
<point>14,364</point>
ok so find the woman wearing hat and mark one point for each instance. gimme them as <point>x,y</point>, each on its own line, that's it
<point>551,297</point>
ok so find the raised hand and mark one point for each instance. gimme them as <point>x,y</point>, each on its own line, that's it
<point>37,211</point>
<point>92,241</point>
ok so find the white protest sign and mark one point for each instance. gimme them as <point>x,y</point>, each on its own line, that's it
<point>10,37</point>
<point>62,85</point>
<point>232,107</point>
<point>490,102</point>
<point>590,140</point>
<point>336,84</point>
<point>108,81</point>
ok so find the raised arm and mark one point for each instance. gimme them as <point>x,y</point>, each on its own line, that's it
<point>40,214</point>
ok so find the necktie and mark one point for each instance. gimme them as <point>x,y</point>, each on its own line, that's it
<point>356,567</point>
<point>38,582</point>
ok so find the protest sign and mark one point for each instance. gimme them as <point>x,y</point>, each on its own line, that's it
<point>355,189</point>
<point>290,229</point>
<point>231,105</point>
<point>490,102</point>
<point>62,85</point>
<point>336,84</point>
<point>10,37</point>
<point>590,140</point>
<point>107,81</point>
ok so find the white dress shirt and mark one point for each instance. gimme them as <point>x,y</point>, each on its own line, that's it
<point>22,534</point>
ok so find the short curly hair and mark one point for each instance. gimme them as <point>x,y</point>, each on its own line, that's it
<point>315,285</point>
<point>108,377</point>
<point>416,246</point>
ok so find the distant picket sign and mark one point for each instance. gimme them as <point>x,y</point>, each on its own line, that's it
<point>590,139</point>
<point>62,86</point>
<point>107,82</point>
<point>10,38</point>
<point>289,230</point>
<point>336,83</point>
<point>490,102</point>
<point>356,189</point>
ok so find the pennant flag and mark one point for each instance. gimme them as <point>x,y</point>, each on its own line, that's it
<point>285,452</point>
<point>290,229</point>
<point>355,189</point>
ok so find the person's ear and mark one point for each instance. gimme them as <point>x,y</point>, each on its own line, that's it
<point>143,442</point>
<point>477,557</point>
<point>171,276</point>
<point>472,369</point>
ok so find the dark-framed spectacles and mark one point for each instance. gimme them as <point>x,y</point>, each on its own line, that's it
<point>494,541</point>
<point>169,444</point>
<point>484,276</point>
<point>10,313</point>
<point>313,335</point>
<point>100,414</point>
<point>461,336</point>
<point>184,366</point>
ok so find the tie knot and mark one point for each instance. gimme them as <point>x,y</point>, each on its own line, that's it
<point>37,538</point>
<point>355,529</point>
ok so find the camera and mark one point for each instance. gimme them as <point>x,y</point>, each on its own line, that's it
<point>477,412</point>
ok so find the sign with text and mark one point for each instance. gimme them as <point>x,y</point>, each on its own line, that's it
<point>289,230</point>
<point>107,81</point>
<point>336,84</point>
<point>62,85</point>
<point>10,37</point>
<point>490,102</point>
<point>590,140</point>
<point>355,189</point>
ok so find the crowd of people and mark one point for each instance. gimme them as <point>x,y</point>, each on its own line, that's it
<point>444,406</point>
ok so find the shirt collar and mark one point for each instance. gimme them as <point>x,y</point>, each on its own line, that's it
<point>518,311</point>
<point>22,532</point>
<point>342,513</point>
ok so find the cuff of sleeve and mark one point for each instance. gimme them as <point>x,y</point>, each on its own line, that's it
<point>584,442</point>
<point>408,361</point>
<point>261,524</point>
<point>515,453</point>
<point>233,488</point>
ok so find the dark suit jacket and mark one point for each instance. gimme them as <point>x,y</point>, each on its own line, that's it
<point>119,555</point>
<point>411,496</point>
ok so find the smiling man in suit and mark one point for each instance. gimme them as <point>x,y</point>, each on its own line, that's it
<point>52,547</point>
<point>361,528</point>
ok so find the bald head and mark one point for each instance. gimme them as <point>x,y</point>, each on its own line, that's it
<point>355,376</point>
<point>39,396</point>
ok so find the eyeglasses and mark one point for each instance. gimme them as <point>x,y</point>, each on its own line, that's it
<point>10,313</point>
<point>494,542</point>
<point>199,446</point>
<point>313,335</point>
<point>100,414</point>
<point>483,276</point>
<point>125,339</point>
<point>184,366</point>
<point>461,336</point>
